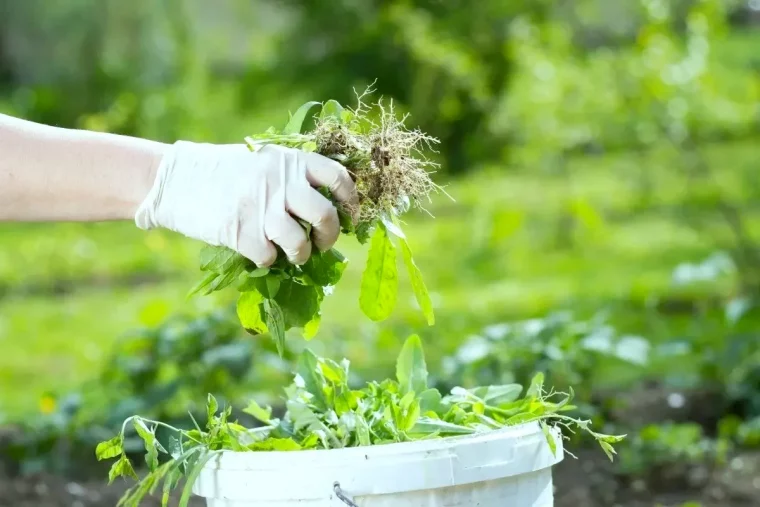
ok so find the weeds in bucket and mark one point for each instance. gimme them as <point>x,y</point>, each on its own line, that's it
<point>323,412</point>
<point>387,162</point>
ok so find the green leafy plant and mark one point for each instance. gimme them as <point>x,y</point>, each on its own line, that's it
<point>161,372</point>
<point>657,447</point>
<point>744,432</point>
<point>567,348</point>
<point>324,412</point>
<point>386,162</point>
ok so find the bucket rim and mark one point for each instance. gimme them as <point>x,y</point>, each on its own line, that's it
<point>233,460</point>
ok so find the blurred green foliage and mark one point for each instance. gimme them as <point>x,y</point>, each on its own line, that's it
<point>603,157</point>
<point>657,446</point>
<point>161,372</point>
<point>568,350</point>
<point>482,79</point>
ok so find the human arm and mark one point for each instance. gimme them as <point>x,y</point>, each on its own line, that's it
<point>56,174</point>
<point>220,194</point>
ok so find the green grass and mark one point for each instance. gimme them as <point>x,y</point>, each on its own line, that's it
<point>496,253</point>
<point>34,257</point>
<point>51,344</point>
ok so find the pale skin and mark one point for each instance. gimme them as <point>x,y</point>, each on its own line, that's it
<point>56,174</point>
<point>220,194</point>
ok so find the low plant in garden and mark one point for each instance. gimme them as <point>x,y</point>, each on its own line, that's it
<point>386,162</point>
<point>161,372</point>
<point>569,349</point>
<point>657,446</point>
<point>324,412</point>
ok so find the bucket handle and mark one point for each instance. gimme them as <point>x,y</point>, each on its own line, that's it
<point>342,497</point>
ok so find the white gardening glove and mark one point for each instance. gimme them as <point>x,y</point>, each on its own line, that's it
<point>226,195</point>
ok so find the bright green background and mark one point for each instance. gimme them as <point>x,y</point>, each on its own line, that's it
<point>570,137</point>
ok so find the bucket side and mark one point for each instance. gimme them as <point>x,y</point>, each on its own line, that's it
<point>309,477</point>
<point>529,490</point>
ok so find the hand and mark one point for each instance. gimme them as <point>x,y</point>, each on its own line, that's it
<point>227,195</point>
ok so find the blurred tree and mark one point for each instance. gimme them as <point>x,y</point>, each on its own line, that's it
<point>188,68</point>
<point>446,61</point>
<point>140,68</point>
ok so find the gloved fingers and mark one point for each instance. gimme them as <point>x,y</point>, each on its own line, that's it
<point>322,171</point>
<point>283,230</point>
<point>251,240</point>
<point>253,244</point>
<point>306,203</point>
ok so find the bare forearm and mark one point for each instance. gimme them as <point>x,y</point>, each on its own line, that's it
<point>49,173</point>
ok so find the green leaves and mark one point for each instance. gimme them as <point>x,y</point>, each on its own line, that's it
<point>430,400</point>
<point>275,444</point>
<point>308,369</point>
<point>608,449</point>
<point>263,415</point>
<point>333,109</point>
<point>212,406</point>
<point>498,395</point>
<point>312,327</point>
<point>224,267</point>
<point>418,284</point>
<point>192,477</point>
<point>323,412</point>
<point>380,279</point>
<point>250,312</point>
<point>121,468</point>
<point>110,448</point>
<point>276,299</point>
<point>267,286</point>
<point>299,303</point>
<point>536,385</point>
<point>421,293</point>
<point>428,426</point>
<point>303,119</point>
<point>275,323</point>
<point>549,437</point>
<point>610,439</point>
<point>606,441</point>
<point>283,296</point>
<point>149,440</point>
<point>276,305</point>
<point>216,258</point>
<point>325,268</point>
<point>411,371</point>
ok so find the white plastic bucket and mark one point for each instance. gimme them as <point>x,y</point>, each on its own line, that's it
<point>509,467</point>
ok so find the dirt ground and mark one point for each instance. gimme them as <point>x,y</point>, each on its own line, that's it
<point>588,481</point>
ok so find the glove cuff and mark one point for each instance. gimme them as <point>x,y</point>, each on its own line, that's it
<point>146,214</point>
